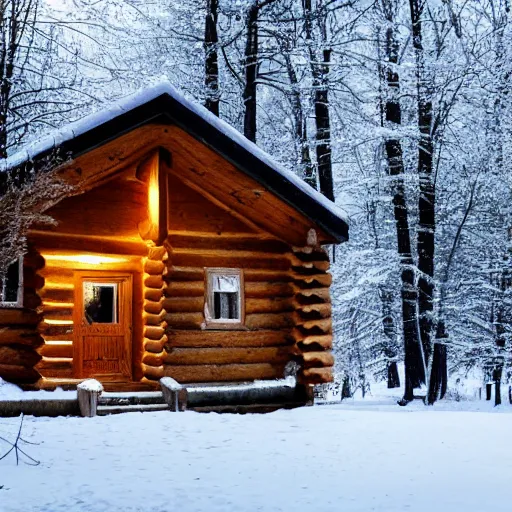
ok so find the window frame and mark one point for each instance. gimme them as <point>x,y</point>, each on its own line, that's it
<point>19,299</point>
<point>223,323</point>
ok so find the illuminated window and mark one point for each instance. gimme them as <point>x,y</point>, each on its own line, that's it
<point>100,302</point>
<point>224,298</point>
<point>11,285</point>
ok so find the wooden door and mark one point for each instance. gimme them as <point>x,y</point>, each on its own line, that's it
<point>103,325</point>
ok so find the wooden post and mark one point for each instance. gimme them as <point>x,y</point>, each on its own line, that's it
<point>174,394</point>
<point>88,393</point>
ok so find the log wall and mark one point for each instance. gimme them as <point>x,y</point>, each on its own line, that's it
<point>192,353</point>
<point>56,326</point>
<point>19,336</point>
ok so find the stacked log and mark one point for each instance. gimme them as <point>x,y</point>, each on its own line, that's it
<point>313,329</point>
<point>19,336</point>
<point>155,267</point>
<point>56,327</point>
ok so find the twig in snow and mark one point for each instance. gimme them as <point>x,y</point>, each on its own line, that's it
<point>17,450</point>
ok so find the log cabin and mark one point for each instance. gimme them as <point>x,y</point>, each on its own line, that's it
<point>181,250</point>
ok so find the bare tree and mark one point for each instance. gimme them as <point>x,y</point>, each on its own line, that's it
<point>35,70</point>
<point>23,201</point>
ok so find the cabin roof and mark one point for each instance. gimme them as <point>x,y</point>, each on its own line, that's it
<point>162,103</point>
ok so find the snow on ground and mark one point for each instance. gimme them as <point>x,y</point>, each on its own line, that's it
<point>357,456</point>
<point>10,391</point>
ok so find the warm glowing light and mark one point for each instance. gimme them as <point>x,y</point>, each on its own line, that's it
<point>57,342</point>
<point>59,322</point>
<point>153,199</point>
<point>59,286</point>
<point>54,304</point>
<point>84,258</point>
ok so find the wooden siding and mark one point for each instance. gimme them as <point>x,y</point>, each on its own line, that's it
<point>181,348</point>
<point>113,209</point>
<point>19,336</point>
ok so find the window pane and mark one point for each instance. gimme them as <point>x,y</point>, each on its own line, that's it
<point>100,302</point>
<point>225,305</point>
<point>225,283</point>
<point>233,305</point>
<point>10,284</point>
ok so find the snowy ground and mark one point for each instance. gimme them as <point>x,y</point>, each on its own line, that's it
<point>360,456</point>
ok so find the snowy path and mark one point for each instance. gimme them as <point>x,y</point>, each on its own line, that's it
<point>339,458</point>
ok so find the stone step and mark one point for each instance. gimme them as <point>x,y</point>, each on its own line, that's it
<point>131,398</point>
<point>105,410</point>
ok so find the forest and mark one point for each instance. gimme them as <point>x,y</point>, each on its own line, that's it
<point>398,110</point>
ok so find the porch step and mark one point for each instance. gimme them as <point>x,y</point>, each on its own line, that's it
<point>134,401</point>
<point>129,387</point>
<point>131,398</point>
<point>105,410</point>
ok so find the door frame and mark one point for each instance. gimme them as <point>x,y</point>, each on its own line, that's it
<point>125,305</point>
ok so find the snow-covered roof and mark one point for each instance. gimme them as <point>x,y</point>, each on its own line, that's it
<point>163,100</point>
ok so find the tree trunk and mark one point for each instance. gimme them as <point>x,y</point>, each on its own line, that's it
<point>500,327</point>
<point>389,327</point>
<point>427,194</point>
<point>345,389</point>
<point>320,73</point>
<point>3,133</point>
<point>438,383</point>
<point>5,96</point>
<point>497,385</point>
<point>323,129</point>
<point>8,50</point>
<point>211,42</point>
<point>251,72</point>
<point>393,377</point>
<point>301,134</point>
<point>413,356</point>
